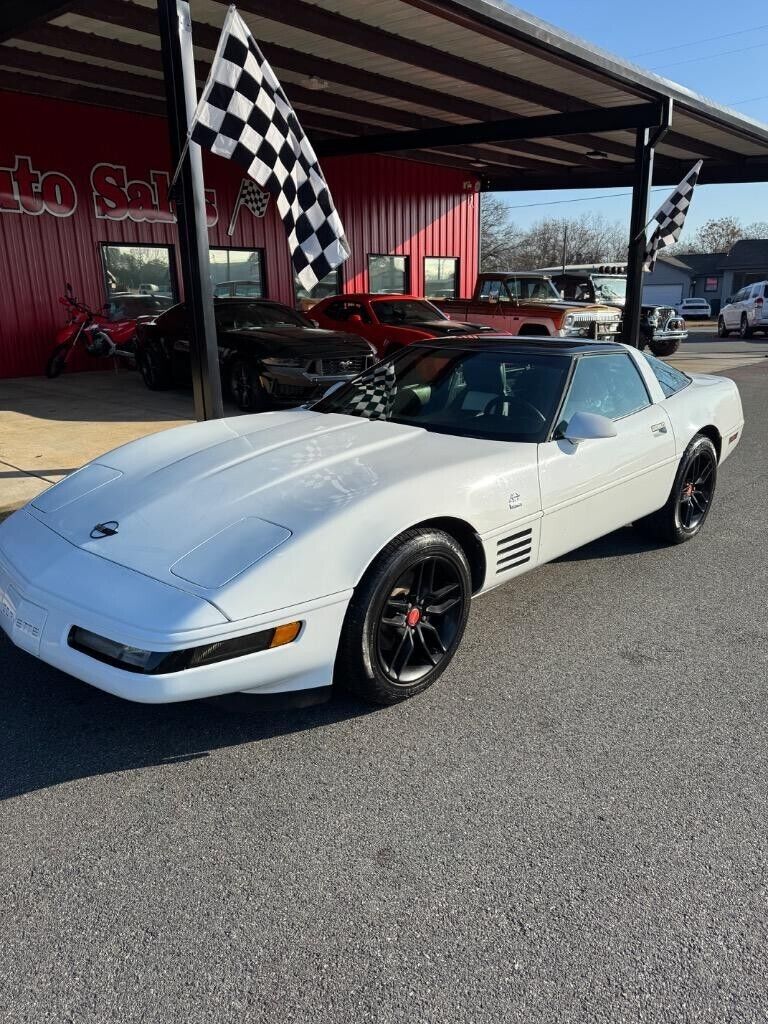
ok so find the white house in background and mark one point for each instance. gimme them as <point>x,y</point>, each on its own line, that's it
<point>711,276</point>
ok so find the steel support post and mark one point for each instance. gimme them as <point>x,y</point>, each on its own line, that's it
<point>646,140</point>
<point>189,194</point>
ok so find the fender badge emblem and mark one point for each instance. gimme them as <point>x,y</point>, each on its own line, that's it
<point>515,500</point>
<point>104,530</point>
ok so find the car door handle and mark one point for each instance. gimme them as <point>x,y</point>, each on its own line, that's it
<point>658,428</point>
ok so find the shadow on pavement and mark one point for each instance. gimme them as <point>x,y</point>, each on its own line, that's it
<point>622,542</point>
<point>55,729</point>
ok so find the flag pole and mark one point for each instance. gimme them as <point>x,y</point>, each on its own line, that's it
<point>181,99</point>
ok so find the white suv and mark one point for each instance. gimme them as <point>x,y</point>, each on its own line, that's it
<point>693,309</point>
<point>745,312</point>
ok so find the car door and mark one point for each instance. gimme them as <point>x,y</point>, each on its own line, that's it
<point>734,309</point>
<point>593,487</point>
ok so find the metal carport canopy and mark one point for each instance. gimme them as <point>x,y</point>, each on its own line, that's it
<point>374,71</point>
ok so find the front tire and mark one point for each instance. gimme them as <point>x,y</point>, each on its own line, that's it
<point>745,331</point>
<point>406,618</point>
<point>246,388</point>
<point>664,348</point>
<point>722,330</point>
<point>689,500</point>
<point>154,371</point>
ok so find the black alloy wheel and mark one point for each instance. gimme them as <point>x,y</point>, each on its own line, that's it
<point>246,388</point>
<point>406,617</point>
<point>690,499</point>
<point>696,490</point>
<point>57,360</point>
<point>420,619</point>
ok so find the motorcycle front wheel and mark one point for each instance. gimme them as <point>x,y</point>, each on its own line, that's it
<point>57,360</point>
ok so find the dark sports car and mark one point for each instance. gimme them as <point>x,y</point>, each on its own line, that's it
<point>269,355</point>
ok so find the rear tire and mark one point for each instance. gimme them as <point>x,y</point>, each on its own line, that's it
<point>57,360</point>
<point>690,499</point>
<point>745,331</point>
<point>722,330</point>
<point>406,618</point>
<point>245,386</point>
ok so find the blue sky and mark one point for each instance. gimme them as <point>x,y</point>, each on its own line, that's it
<point>731,69</point>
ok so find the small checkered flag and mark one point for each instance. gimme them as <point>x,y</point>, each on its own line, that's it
<point>375,393</point>
<point>244,115</point>
<point>250,195</point>
<point>670,216</point>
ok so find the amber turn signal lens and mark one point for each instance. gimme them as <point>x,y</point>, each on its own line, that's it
<point>285,634</point>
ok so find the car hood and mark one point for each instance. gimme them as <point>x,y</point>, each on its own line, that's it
<point>442,327</point>
<point>196,506</point>
<point>309,342</point>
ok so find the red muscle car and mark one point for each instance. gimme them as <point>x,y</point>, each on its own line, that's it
<point>389,321</point>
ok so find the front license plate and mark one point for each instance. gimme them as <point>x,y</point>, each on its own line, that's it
<point>22,620</point>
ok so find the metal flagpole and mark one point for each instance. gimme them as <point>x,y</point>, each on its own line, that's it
<point>181,98</point>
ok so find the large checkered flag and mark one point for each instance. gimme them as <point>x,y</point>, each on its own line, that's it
<point>670,216</point>
<point>244,115</point>
<point>253,197</point>
<point>375,393</point>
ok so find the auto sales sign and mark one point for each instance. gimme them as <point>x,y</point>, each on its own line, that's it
<point>31,190</point>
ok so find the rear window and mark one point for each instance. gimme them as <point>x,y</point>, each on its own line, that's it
<point>670,379</point>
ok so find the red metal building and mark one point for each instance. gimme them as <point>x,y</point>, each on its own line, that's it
<point>83,198</point>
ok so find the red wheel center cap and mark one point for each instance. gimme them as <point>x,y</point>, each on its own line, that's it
<point>413,617</point>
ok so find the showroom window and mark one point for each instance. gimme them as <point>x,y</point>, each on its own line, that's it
<point>138,276</point>
<point>387,274</point>
<point>328,285</point>
<point>237,273</point>
<point>441,277</point>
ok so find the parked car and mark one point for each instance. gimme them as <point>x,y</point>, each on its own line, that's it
<point>238,289</point>
<point>694,309</point>
<point>528,303</point>
<point>389,321</point>
<point>344,542</point>
<point>661,327</point>
<point>745,312</point>
<point>269,354</point>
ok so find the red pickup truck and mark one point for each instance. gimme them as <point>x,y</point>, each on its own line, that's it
<point>529,303</point>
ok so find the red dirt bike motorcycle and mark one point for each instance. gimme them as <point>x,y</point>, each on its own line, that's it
<point>99,336</point>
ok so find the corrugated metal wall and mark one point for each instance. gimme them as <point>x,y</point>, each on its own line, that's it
<point>387,206</point>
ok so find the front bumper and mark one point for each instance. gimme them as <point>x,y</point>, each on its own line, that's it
<point>287,383</point>
<point>47,586</point>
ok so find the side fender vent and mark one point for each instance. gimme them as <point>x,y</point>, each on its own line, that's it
<point>513,550</point>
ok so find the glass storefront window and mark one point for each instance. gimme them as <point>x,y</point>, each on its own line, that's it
<point>237,272</point>
<point>441,276</point>
<point>388,274</point>
<point>139,279</point>
<point>329,285</point>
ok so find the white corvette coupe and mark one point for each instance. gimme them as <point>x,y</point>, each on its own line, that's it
<point>344,542</point>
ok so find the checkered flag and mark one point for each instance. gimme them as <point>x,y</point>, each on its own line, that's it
<point>670,216</point>
<point>375,393</point>
<point>250,195</point>
<point>244,115</point>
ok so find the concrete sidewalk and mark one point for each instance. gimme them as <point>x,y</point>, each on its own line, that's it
<point>50,427</point>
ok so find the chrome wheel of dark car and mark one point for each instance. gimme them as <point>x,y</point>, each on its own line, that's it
<point>420,620</point>
<point>696,489</point>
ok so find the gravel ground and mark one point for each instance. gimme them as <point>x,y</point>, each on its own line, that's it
<point>569,827</point>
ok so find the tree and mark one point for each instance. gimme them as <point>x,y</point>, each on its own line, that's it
<point>717,235</point>
<point>503,246</point>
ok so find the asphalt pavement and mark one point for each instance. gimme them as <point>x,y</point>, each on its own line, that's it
<point>569,827</point>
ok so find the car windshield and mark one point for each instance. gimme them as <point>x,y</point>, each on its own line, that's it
<point>610,289</point>
<point>492,394</point>
<point>238,316</point>
<point>405,311</point>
